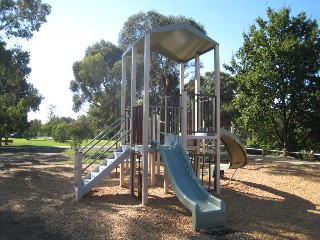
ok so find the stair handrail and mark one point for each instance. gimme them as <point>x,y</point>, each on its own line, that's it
<point>105,132</point>
<point>116,142</point>
<point>102,146</point>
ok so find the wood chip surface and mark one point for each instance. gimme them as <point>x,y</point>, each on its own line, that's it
<point>267,199</point>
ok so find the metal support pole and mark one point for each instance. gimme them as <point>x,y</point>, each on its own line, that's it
<point>184,119</point>
<point>146,118</point>
<point>78,185</point>
<point>218,130</point>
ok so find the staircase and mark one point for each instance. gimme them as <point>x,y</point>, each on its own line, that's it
<point>105,168</point>
<point>82,185</point>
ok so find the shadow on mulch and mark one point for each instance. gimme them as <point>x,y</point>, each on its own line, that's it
<point>30,155</point>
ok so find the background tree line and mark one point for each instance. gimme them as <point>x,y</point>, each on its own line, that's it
<point>271,89</point>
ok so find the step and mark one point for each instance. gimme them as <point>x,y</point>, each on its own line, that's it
<point>86,181</point>
<point>94,174</point>
<point>102,167</point>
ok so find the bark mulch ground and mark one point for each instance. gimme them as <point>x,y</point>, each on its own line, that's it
<point>268,199</point>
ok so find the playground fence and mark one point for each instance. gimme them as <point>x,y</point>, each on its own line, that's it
<point>310,155</point>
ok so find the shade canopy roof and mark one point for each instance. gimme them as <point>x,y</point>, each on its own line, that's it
<point>180,42</point>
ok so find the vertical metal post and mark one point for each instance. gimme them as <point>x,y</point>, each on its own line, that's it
<point>78,175</point>
<point>218,130</point>
<point>146,118</point>
<point>197,91</point>
<point>165,181</point>
<point>158,140</point>
<point>181,77</point>
<point>132,171</point>
<point>153,168</point>
<point>123,111</point>
<point>184,120</point>
<point>132,105</point>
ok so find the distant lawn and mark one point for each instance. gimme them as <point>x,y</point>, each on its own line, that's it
<point>37,142</point>
<point>46,142</point>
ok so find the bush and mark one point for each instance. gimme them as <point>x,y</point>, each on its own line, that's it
<point>60,132</point>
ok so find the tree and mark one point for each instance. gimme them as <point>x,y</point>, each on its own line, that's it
<point>80,130</point>
<point>17,97</point>
<point>18,19</point>
<point>60,132</point>
<point>98,81</point>
<point>278,73</point>
<point>21,18</point>
<point>33,130</point>
<point>98,75</point>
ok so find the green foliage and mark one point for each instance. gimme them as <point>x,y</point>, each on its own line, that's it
<point>33,130</point>
<point>228,87</point>
<point>97,77</point>
<point>277,69</point>
<point>17,97</point>
<point>60,132</point>
<point>98,81</point>
<point>80,130</point>
<point>18,19</point>
<point>21,18</point>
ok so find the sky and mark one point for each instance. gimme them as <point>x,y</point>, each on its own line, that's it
<point>74,25</point>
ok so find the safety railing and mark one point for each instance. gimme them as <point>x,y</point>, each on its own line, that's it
<point>94,151</point>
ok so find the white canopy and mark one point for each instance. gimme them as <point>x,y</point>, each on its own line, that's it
<point>180,42</point>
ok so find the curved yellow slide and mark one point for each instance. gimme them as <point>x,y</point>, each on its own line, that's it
<point>236,150</point>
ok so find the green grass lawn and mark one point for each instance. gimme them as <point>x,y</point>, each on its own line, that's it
<point>46,142</point>
<point>37,142</point>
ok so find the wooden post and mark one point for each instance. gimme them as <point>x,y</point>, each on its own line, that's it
<point>263,152</point>
<point>78,175</point>
<point>284,153</point>
<point>311,156</point>
<point>121,174</point>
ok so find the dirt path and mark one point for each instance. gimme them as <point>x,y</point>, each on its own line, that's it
<point>266,200</point>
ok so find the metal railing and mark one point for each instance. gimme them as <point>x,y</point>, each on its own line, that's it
<point>99,151</point>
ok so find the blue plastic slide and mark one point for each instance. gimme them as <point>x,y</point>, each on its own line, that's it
<point>207,210</point>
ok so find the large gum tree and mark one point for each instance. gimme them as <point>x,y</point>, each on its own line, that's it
<point>278,70</point>
<point>19,19</point>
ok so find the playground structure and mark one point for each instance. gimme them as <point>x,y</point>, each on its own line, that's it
<point>181,124</point>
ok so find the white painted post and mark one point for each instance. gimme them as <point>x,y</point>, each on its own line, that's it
<point>78,175</point>
<point>146,118</point>
<point>184,119</point>
<point>123,111</point>
<point>123,93</point>
<point>181,77</point>
<point>153,168</point>
<point>218,130</point>
<point>132,105</point>
<point>158,140</point>
<point>197,90</point>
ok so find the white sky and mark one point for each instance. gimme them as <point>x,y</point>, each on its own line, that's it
<point>76,24</point>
